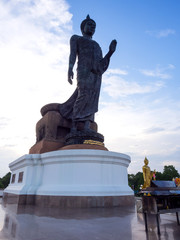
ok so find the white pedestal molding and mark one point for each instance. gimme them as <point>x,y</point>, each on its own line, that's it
<point>70,178</point>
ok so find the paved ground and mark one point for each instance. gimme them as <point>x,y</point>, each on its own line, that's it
<point>86,224</point>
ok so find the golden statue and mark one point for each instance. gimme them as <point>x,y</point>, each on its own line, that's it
<point>147,174</point>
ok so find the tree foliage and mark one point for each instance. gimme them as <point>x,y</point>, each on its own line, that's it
<point>159,176</point>
<point>170,172</point>
<point>4,181</point>
<point>135,181</point>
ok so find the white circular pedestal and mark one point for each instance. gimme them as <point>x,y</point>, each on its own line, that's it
<point>70,178</point>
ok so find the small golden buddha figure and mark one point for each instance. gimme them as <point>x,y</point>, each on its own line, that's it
<point>147,174</point>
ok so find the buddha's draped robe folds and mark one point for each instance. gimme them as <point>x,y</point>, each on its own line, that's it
<point>83,103</point>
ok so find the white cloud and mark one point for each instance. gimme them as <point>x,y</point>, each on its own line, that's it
<point>34,46</point>
<point>7,155</point>
<point>161,33</point>
<point>116,86</point>
<point>158,72</point>
<point>37,26</point>
<point>174,163</point>
<point>116,71</point>
<point>143,127</point>
<point>154,129</point>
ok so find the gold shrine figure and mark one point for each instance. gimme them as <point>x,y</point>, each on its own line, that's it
<point>147,174</point>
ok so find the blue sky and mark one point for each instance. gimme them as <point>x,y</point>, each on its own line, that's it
<point>139,109</point>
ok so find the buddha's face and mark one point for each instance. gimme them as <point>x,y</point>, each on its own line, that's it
<point>146,161</point>
<point>89,28</point>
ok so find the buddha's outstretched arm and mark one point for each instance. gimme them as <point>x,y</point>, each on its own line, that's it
<point>105,61</point>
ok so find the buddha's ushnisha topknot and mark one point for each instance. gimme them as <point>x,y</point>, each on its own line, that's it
<point>85,21</point>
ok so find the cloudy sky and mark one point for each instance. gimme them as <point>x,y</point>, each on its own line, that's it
<point>139,109</point>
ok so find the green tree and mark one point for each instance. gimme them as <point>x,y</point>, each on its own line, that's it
<point>131,180</point>
<point>5,180</point>
<point>159,176</point>
<point>170,172</point>
<point>1,185</point>
<point>135,181</point>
